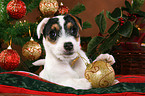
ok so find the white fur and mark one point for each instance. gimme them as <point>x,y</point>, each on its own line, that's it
<point>57,66</point>
<point>106,57</point>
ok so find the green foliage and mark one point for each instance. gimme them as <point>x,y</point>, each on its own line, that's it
<point>109,42</point>
<point>126,29</point>
<point>135,32</point>
<point>86,25</point>
<point>77,9</point>
<point>18,32</point>
<point>31,4</point>
<point>3,4</point>
<point>108,14</point>
<point>101,22</point>
<point>2,11</point>
<point>136,5</point>
<point>127,4</point>
<point>92,46</point>
<point>113,28</point>
<point>116,13</point>
<point>124,26</point>
<point>141,13</point>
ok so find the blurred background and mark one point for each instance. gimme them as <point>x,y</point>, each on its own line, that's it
<point>93,8</point>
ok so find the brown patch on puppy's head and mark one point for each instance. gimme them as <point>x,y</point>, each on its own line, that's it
<point>69,25</point>
<point>78,21</point>
<point>51,30</point>
<point>72,26</point>
<point>55,26</point>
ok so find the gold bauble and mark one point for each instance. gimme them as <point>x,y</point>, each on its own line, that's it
<point>31,50</point>
<point>100,74</point>
<point>48,7</point>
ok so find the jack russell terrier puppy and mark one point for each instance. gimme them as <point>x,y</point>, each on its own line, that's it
<point>61,41</point>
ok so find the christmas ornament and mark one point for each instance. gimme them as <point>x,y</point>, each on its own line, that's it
<point>31,50</point>
<point>100,74</point>
<point>48,7</point>
<point>9,59</point>
<point>16,9</point>
<point>62,10</point>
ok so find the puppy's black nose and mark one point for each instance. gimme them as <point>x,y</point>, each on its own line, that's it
<point>68,46</point>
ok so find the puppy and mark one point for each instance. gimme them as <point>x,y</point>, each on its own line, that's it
<point>61,41</point>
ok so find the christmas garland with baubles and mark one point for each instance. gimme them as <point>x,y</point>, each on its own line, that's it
<point>23,33</point>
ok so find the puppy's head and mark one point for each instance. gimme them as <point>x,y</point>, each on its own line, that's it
<point>61,35</point>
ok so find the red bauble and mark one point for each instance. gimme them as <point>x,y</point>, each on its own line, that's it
<point>9,59</point>
<point>62,10</point>
<point>16,9</point>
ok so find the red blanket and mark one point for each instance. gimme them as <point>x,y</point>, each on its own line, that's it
<point>20,83</point>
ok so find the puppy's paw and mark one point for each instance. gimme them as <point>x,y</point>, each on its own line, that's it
<point>39,62</point>
<point>82,83</point>
<point>106,57</point>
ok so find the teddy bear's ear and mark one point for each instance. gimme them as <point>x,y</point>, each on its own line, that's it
<point>40,27</point>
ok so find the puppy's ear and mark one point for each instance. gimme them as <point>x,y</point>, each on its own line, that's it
<point>78,21</point>
<point>40,27</point>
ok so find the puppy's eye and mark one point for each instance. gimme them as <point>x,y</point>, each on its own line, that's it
<point>53,35</point>
<point>74,31</point>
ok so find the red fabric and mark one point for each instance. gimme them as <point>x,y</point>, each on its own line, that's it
<point>11,89</point>
<point>121,78</point>
<point>131,78</point>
